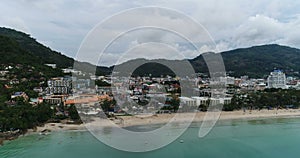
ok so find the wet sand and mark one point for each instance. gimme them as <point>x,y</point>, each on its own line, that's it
<point>126,121</point>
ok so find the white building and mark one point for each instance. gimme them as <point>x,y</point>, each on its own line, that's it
<point>59,86</point>
<point>51,65</point>
<point>187,101</point>
<point>227,80</point>
<point>201,100</point>
<point>277,79</point>
<point>196,101</point>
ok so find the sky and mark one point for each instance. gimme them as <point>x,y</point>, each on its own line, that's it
<point>64,26</point>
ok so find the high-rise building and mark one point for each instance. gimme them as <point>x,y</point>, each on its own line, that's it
<point>277,79</point>
<point>59,86</point>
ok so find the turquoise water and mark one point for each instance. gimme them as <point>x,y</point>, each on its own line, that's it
<point>266,138</point>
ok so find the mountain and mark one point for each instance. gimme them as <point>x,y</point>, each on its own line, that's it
<point>29,44</point>
<point>41,53</point>
<point>12,54</point>
<point>145,67</point>
<point>256,61</point>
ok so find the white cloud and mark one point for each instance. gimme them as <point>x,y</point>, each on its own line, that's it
<point>232,23</point>
<point>16,23</point>
<point>258,29</point>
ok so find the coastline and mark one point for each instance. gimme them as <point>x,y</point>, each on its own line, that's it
<point>199,116</point>
<point>56,127</point>
<point>140,120</point>
<point>44,130</point>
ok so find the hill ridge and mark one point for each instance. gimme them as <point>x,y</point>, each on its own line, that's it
<point>255,61</point>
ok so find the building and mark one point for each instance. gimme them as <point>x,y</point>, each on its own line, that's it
<point>82,99</point>
<point>201,100</point>
<point>227,80</point>
<point>188,101</point>
<point>59,86</point>
<point>3,73</point>
<point>19,94</point>
<point>35,101</point>
<point>55,99</point>
<point>51,65</point>
<point>196,101</point>
<point>277,79</point>
<point>260,86</point>
<point>82,83</point>
<point>73,71</point>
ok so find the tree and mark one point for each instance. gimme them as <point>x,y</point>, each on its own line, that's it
<point>73,113</point>
<point>44,112</point>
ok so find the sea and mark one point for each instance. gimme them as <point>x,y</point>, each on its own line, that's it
<point>259,138</point>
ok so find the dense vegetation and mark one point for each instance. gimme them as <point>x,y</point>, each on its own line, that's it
<point>154,69</point>
<point>30,45</point>
<point>30,65</point>
<point>21,115</point>
<point>255,61</point>
<point>39,54</point>
<point>102,83</point>
<point>24,116</point>
<point>23,60</point>
<point>28,57</point>
<point>268,99</point>
<point>258,61</point>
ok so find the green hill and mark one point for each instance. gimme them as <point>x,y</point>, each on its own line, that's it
<point>44,54</point>
<point>29,44</point>
<point>257,61</point>
<point>12,54</point>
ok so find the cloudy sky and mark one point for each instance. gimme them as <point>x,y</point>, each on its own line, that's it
<point>64,24</point>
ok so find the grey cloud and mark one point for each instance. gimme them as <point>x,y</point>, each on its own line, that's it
<point>231,23</point>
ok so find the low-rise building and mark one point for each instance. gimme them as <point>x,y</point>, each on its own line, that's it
<point>19,94</point>
<point>55,99</point>
<point>188,101</point>
<point>51,65</point>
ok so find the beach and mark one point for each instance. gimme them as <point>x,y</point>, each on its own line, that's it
<point>57,127</point>
<point>127,121</point>
<point>243,137</point>
<point>64,134</point>
<point>199,116</point>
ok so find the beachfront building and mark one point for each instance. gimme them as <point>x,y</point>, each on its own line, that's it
<point>201,100</point>
<point>188,101</point>
<point>277,79</point>
<point>197,101</point>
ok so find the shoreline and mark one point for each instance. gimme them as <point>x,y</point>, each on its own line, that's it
<point>199,116</point>
<point>143,120</point>
<point>56,127</point>
<point>128,121</point>
<point>43,130</point>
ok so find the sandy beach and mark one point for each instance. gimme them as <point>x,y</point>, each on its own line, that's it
<point>57,127</point>
<point>126,121</point>
<point>199,116</point>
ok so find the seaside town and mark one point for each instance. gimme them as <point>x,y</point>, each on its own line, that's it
<point>38,99</point>
<point>64,91</point>
<point>132,79</point>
